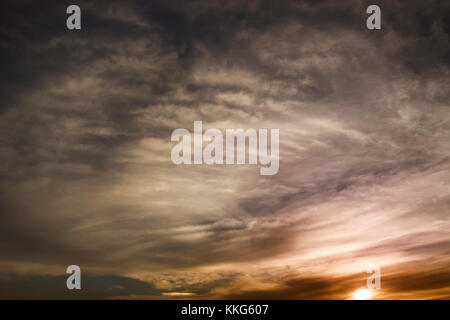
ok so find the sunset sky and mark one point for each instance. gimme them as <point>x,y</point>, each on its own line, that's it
<point>86,176</point>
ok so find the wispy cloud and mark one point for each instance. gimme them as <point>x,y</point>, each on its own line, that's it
<point>86,176</point>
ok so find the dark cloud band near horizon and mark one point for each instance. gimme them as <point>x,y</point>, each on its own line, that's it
<point>86,176</point>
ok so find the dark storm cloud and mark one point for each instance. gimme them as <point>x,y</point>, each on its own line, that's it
<point>52,287</point>
<point>86,118</point>
<point>96,287</point>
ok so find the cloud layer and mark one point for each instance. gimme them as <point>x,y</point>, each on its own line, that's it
<point>364,119</point>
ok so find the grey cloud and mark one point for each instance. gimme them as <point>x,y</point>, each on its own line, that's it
<point>86,119</point>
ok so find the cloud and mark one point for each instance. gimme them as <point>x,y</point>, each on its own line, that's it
<point>86,118</point>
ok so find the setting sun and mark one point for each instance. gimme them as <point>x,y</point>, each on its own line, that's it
<point>362,294</point>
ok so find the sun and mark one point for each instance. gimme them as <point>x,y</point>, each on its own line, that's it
<point>362,294</point>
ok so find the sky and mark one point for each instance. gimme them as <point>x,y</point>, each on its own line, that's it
<point>86,176</point>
